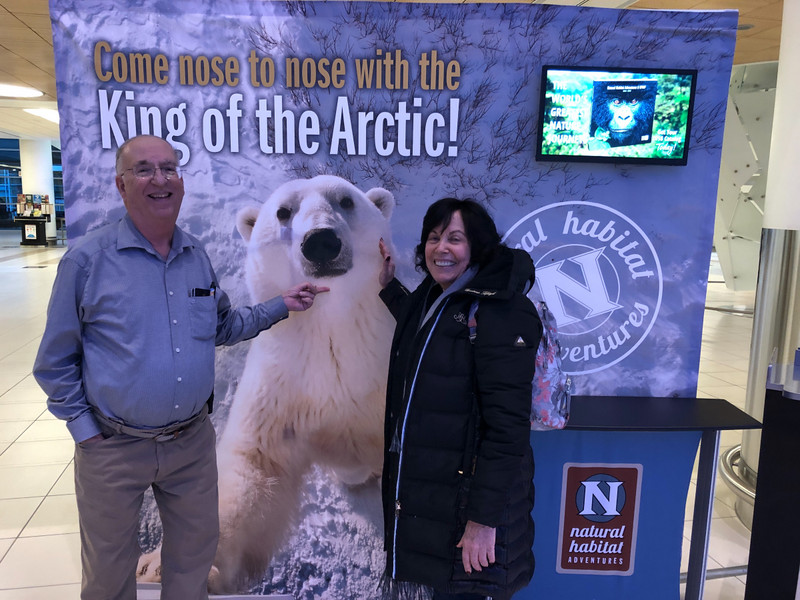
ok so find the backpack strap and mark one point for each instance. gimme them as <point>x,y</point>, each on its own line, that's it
<point>472,322</point>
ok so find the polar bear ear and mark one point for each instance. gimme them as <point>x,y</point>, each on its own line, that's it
<point>246,220</point>
<point>383,199</point>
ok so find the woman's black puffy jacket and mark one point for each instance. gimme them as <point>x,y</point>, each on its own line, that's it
<point>457,430</point>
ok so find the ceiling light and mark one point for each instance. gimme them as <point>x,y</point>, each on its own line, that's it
<point>18,91</point>
<point>45,113</point>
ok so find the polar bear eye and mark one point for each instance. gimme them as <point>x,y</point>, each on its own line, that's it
<point>283,213</point>
<point>347,202</point>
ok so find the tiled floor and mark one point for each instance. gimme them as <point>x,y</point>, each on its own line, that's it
<point>38,518</point>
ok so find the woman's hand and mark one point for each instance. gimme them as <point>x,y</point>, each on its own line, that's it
<point>477,546</point>
<point>387,268</point>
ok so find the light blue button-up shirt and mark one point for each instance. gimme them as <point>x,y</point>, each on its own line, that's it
<point>133,335</point>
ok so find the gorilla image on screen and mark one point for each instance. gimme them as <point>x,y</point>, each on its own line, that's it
<point>622,112</point>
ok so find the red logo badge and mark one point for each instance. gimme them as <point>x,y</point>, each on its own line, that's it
<point>599,518</point>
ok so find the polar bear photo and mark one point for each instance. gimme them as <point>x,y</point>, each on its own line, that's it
<point>313,389</point>
<point>312,392</point>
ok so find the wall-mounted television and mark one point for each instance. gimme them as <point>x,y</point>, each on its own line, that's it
<point>602,114</point>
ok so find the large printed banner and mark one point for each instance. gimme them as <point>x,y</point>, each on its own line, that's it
<point>307,131</point>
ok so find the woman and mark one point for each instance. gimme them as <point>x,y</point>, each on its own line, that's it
<point>458,466</point>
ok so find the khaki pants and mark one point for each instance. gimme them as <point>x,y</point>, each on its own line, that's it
<point>111,477</point>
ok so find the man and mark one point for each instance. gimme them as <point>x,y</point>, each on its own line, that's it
<point>127,360</point>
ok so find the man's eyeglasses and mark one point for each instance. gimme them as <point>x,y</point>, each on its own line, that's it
<point>148,172</point>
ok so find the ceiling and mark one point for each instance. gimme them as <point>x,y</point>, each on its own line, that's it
<point>26,49</point>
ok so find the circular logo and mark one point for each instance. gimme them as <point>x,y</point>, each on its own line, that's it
<point>600,498</point>
<point>599,275</point>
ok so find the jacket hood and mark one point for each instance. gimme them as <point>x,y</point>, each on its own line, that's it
<point>511,271</point>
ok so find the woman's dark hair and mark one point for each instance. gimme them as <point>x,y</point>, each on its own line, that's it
<point>484,241</point>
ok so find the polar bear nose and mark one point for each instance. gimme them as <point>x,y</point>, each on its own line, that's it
<point>321,245</point>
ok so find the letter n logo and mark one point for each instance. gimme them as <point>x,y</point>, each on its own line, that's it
<point>591,293</point>
<point>600,498</point>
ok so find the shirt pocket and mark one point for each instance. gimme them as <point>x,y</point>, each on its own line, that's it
<point>203,317</point>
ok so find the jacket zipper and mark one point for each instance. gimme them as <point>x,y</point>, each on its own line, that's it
<point>397,506</point>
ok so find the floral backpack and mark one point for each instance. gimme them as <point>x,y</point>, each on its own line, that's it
<point>552,387</point>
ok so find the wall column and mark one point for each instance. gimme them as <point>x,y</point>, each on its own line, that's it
<point>776,327</point>
<point>781,210</point>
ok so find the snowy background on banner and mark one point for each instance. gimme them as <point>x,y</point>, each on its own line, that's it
<point>337,548</point>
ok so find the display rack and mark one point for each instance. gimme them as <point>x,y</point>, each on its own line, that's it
<point>34,211</point>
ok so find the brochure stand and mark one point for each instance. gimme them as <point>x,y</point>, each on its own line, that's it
<point>34,211</point>
<point>32,230</point>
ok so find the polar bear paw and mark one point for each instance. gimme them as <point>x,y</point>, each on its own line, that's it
<point>149,567</point>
